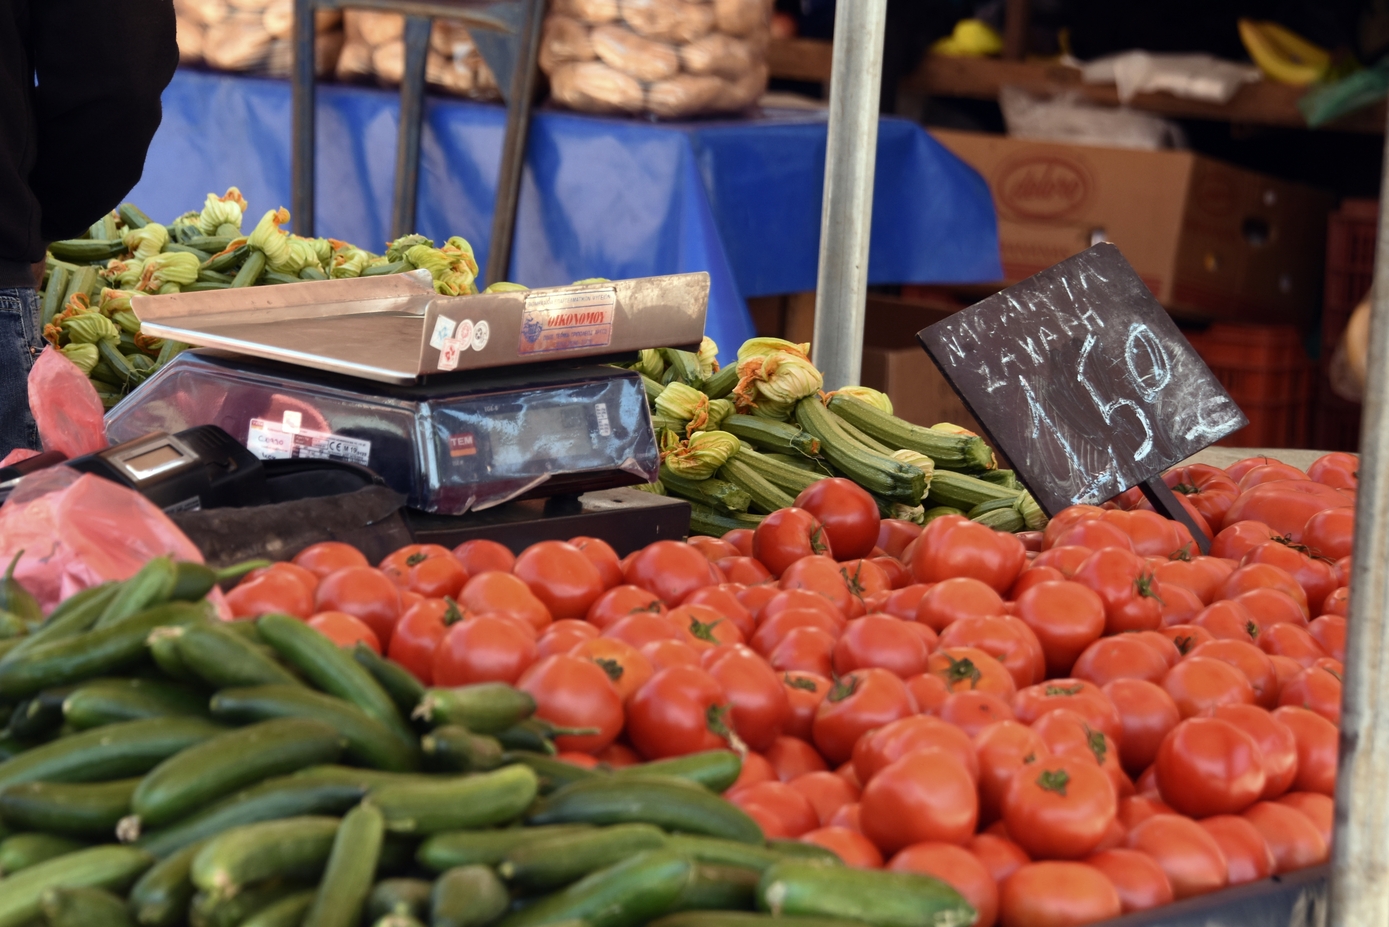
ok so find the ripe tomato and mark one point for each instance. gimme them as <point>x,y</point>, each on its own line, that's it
<point>1271,607</point>
<point>724,600</point>
<point>847,511</point>
<point>1005,638</point>
<point>1066,617</point>
<point>1277,745</point>
<point>1000,856</point>
<point>1237,538</point>
<point>1199,685</point>
<point>1319,809</point>
<point>894,535</point>
<point>782,811</point>
<point>664,654</point>
<point>1330,533</point>
<point>707,626</point>
<point>670,569</point>
<point>965,669</point>
<point>1065,519</point>
<point>1067,733</point>
<point>1285,506</point>
<point>1338,603</point>
<point>1132,597</point>
<point>1193,861</point>
<point>1059,807</point>
<point>898,576</point>
<point>1066,559</point>
<point>863,700</point>
<point>882,641</point>
<point>1315,578</point>
<point>627,667</point>
<point>1209,766</point>
<point>1139,807</point>
<point>344,630</point>
<point>1259,574</point>
<point>644,628</point>
<point>575,693</point>
<point>825,791</point>
<point>798,598</point>
<point>328,557</point>
<point>804,649</point>
<point>1187,637</point>
<point>786,536</point>
<point>1293,840</point>
<point>923,796</point>
<point>1084,698</point>
<point>822,576</point>
<point>760,705</point>
<point>952,600</point>
<point>484,648</point>
<point>1057,894</point>
<point>1269,473</point>
<point>481,556</point>
<point>954,546</point>
<point>755,769</point>
<point>1003,749</point>
<point>428,569</point>
<point>1251,661</point>
<point>1121,657</point>
<point>563,636</point>
<point>1032,576</point>
<point>1095,534</point>
<point>1337,469</point>
<point>1317,689</point>
<point>804,693</point>
<point>1247,856</point>
<point>1179,605</point>
<point>878,749</point>
<point>1228,620</point>
<point>930,692</point>
<point>776,628</point>
<point>1161,643</point>
<point>1330,632</point>
<point>619,602</point>
<point>601,554</point>
<point>713,549</point>
<point>792,757</point>
<point>561,576</point>
<point>1202,575</point>
<point>363,593</point>
<point>1146,714</point>
<point>276,591</point>
<point>956,867</point>
<point>418,633</point>
<point>680,710</point>
<point>1209,489</point>
<point>744,570</point>
<point>971,712</point>
<point>1137,878</point>
<point>849,845</point>
<point>866,578</point>
<point>741,539</point>
<point>509,595</point>
<point>1293,642</point>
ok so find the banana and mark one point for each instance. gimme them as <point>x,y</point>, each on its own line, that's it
<point>1283,55</point>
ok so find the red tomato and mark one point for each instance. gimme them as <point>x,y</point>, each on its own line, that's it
<point>279,591</point>
<point>428,569</point>
<point>1292,838</point>
<point>1161,643</point>
<point>1315,578</point>
<point>1146,714</point>
<point>1137,878</point>
<point>664,654</point>
<point>1285,506</point>
<point>306,577</point>
<point>562,636</point>
<point>1179,605</point>
<point>1067,734</point>
<point>575,693</point>
<point>363,593</point>
<point>418,633</point>
<point>1277,745</point>
<point>760,706</point>
<point>1137,808</point>
<point>826,792</point>
<point>1272,606</point>
<point>1251,661</point>
<point>964,669</point>
<point>601,555</point>
<point>895,534</point>
<point>804,693</point>
<point>1202,575</point>
<point>1330,533</point>
<point>328,557</point>
<point>1293,642</point>
<point>1247,856</point>
<point>1199,685</point>
<point>898,576</point>
<point>781,810</point>
<point>1065,519</point>
<point>865,578</point>
<point>804,649</point>
<point>482,556</point>
<point>1059,807</point>
<point>1003,749</point>
<point>506,594</point>
<point>644,628</point>
<point>1057,894</point>
<point>713,549</point>
<point>954,546</point>
<point>1066,617</point>
<point>755,769</point>
<point>878,749</point>
<point>619,602</point>
<point>1005,638</point>
<point>1209,489</point>
<point>1000,856</point>
<point>1318,689</point>
<point>849,845</point>
<point>863,700</point>
<point>1066,559</point>
<point>792,757</point>
<point>956,867</point>
<point>1319,809</point>
<point>1317,745</point>
<point>1337,469</point>
<point>1193,861</point>
<point>847,511</point>
<point>485,648</point>
<point>1151,534</point>
<point>1258,574</point>
<point>1269,473</point>
<point>971,712</point>
<point>1131,596</point>
<point>799,598</point>
<point>670,569</point>
<point>344,630</point>
<point>1338,603</point>
<point>775,629</point>
<point>786,536</point>
<point>1121,657</point>
<point>1084,698</point>
<point>952,600</point>
<point>929,692</point>
<point>707,626</point>
<point>882,641</point>
<point>1330,632</point>
<point>1228,620</point>
<point>1033,576</point>
<point>1239,468</point>
<point>627,667</point>
<point>1096,534</point>
<point>822,576</point>
<point>1209,766</point>
<point>741,539</point>
<point>1187,637</point>
<point>561,576</point>
<point>744,570</point>
<point>724,600</point>
<point>680,710</point>
<point>921,797</point>
<point>1239,537</point>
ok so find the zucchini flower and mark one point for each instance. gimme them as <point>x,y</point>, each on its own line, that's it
<point>395,251</point>
<point>322,249</point>
<point>176,268</point>
<point>274,243</point>
<point>113,301</point>
<point>188,220</point>
<point>701,456</point>
<point>125,273</point>
<point>1032,515</point>
<point>876,399</point>
<point>145,243</point>
<point>91,327</point>
<point>452,276</point>
<point>651,364</point>
<point>457,247</point>
<point>349,262</point>
<point>916,514</point>
<point>77,305</point>
<point>221,215</point>
<point>501,286</point>
<point>916,459</point>
<point>719,411</point>
<point>303,252</point>
<point>773,375</point>
<point>708,358</point>
<point>148,344</point>
<point>84,356</point>
<point>681,402</point>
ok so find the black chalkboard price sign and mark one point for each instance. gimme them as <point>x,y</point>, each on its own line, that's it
<point>1080,377</point>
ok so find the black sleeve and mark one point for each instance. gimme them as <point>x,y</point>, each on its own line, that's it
<point>101,66</point>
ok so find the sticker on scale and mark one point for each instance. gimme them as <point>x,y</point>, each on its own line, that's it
<point>600,412</point>
<point>443,330</point>
<point>566,321</point>
<point>481,332</point>
<point>272,441</point>
<point>448,354</point>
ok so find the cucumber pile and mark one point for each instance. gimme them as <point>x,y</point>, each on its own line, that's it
<point>738,444</point>
<point>162,767</point>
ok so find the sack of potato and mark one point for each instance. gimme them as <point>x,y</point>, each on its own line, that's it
<point>375,50</point>
<point>665,58</point>
<point>251,35</point>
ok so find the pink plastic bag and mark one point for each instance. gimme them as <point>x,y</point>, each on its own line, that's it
<point>65,406</point>
<point>16,455</point>
<point>78,530</point>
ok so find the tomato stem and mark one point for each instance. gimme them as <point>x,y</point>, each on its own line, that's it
<point>452,613</point>
<point>1095,741</point>
<point>1183,644</point>
<point>716,717</point>
<point>705,630</point>
<point>1144,584</point>
<point>817,541</point>
<point>1186,489</point>
<point>1054,780</point>
<point>416,558</point>
<point>610,666</point>
<point>1066,690</point>
<point>1183,553</point>
<point>842,688</point>
<point>961,670</point>
<point>1251,629</point>
<point>798,682</point>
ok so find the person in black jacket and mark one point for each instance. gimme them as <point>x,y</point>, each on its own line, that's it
<point>79,103</point>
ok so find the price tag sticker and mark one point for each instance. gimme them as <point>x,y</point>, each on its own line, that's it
<point>443,330</point>
<point>448,353</point>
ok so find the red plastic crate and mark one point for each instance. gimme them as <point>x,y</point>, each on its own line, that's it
<point>1350,266</point>
<point>1267,372</point>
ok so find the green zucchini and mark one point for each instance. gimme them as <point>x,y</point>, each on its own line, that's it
<point>111,752</point>
<point>546,865</point>
<point>399,896</point>
<point>287,912</point>
<point>213,244</point>
<point>160,898</point>
<point>877,473</point>
<point>1008,479</point>
<point>223,764</point>
<point>110,867</point>
<point>718,494</point>
<point>766,497</point>
<point>949,451</point>
<point>457,749</point>
<point>87,250</point>
<point>788,478</point>
<point>866,440</point>
<point>84,907</point>
<point>711,522</point>
<point>293,848</point>
<point>133,216</point>
<point>716,770</point>
<point>671,804</point>
<point>768,435</point>
<point>227,260</point>
<point>71,809</point>
<point>111,702</point>
<point>628,894</point>
<point>468,896</point>
<point>222,657</point>
<point>400,684</point>
<point>20,851</point>
<point>960,491</point>
<point>484,847</point>
<point>999,514</point>
<point>209,909</point>
<point>342,894</point>
<point>201,255</point>
<point>53,294</point>
<point>484,708</point>
<point>250,271</point>
<point>434,805</point>
<point>394,267</point>
<point>722,382</point>
<point>874,896</point>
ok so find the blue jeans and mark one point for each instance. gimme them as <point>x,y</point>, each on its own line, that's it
<point>21,340</point>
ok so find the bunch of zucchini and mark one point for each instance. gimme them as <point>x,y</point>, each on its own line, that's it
<point>163,768</point>
<point>914,473</point>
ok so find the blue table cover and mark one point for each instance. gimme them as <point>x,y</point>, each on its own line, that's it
<point>600,197</point>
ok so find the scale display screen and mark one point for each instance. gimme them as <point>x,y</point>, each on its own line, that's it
<point>152,462</point>
<point>544,434</point>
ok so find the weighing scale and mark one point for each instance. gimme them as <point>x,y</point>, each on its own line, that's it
<point>473,408</point>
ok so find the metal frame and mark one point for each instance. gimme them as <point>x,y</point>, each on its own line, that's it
<point>512,54</point>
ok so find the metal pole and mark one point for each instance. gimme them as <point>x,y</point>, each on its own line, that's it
<point>301,165</point>
<point>407,151</point>
<point>850,158</point>
<point>518,121</point>
<point>1360,850</point>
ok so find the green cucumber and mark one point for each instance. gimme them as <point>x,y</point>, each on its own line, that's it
<point>719,852</point>
<point>293,848</point>
<point>719,888</point>
<point>342,894</point>
<point>273,799</point>
<point>550,864</point>
<point>874,896</point>
<point>223,764</point>
<point>799,849</point>
<point>37,718</point>
<point>369,742</point>
<point>468,896</point>
<point>95,653</point>
<point>399,896</point>
<point>151,586</point>
<point>716,770</point>
<point>554,773</point>
<point>112,752</point>
<point>163,648</point>
<point>484,708</point>
<point>670,804</point>
<point>212,910</point>
<point>109,867</point>
<point>365,779</point>
<point>747,919</point>
<point>456,748</point>
<point>75,614</point>
<point>485,847</point>
<point>222,657</point>
<point>331,669</point>
<point>84,907</point>
<point>534,735</point>
<point>400,684</point>
<point>95,704</point>
<point>71,809</point>
<point>20,851</point>
<point>161,897</point>
<point>192,581</point>
<point>287,912</point>
<point>431,806</point>
<point>637,890</point>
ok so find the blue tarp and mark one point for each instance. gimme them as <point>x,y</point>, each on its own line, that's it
<point>600,197</point>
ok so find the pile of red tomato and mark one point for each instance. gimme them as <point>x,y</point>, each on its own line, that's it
<point>1064,725</point>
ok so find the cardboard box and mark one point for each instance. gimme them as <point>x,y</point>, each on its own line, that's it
<point>1212,241</point>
